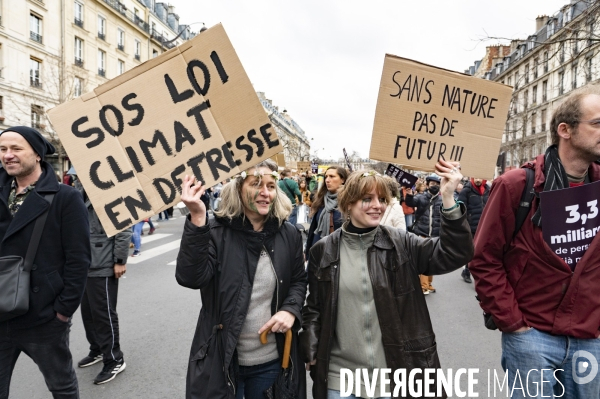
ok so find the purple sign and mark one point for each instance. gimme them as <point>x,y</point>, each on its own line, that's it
<point>570,220</point>
<point>404,178</point>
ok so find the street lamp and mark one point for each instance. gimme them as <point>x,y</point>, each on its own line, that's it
<point>162,42</point>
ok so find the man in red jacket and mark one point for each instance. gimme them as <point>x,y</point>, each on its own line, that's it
<point>548,311</point>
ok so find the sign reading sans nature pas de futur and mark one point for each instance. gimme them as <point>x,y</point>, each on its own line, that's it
<point>425,113</point>
<point>190,111</point>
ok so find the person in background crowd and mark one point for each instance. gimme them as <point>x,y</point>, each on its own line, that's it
<point>161,214</point>
<point>248,265</point>
<point>420,187</point>
<point>290,188</point>
<point>326,218</point>
<point>60,267</point>
<point>548,310</point>
<point>393,216</point>
<point>475,195</point>
<point>427,217</point>
<point>137,239</point>
<point>99,304</point>
<point>306,202</point>
<point>365,310</point>
<point>312,182</point>
<point>409,211</point>
<point>67,179</point>
<point>215,196</point>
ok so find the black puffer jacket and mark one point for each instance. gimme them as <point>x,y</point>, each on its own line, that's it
<point>428,214</point>
<point>220,259</point>
<point>475,203</point>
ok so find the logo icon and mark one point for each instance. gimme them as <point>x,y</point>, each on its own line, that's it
<point>582,360</point>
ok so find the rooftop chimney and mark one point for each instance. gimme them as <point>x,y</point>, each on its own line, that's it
<point>540,22</point>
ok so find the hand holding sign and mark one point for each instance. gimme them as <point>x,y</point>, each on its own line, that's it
<point>451,176</point>
<point>190,196</point>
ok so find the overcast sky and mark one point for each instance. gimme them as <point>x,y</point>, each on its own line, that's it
<point>322,60</point>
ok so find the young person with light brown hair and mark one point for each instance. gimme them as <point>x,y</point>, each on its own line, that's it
<point>365,308</point>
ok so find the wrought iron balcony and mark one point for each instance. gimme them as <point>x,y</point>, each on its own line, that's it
<point>35,37</point>
<point>101,36</point>
<point>35,83</point>
<point>79,62</point>
<point>121,47</point>
<point>137,57</point>
<point>101,72</point>
<point>79,22</point>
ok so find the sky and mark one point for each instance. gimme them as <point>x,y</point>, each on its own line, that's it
<point>322,60</point>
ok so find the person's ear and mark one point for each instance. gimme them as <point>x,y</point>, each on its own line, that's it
<point>564,131</point>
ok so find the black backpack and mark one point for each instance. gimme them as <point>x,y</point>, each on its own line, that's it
<point>524,205</point>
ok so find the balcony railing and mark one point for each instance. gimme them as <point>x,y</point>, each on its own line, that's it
<point>78,62</point>
<point>101,72</point>
<point>36,37</point>
<point>101,36</point>
<point>35,83</point>
<point>79,22</point>
<point>137,57</point>
<point>121,47</point>
<point>162,40</point>
<point>121,9</point>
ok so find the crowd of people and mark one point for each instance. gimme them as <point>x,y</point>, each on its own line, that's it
<point>353,297</point>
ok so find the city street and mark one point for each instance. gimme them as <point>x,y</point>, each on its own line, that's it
<point>158,317</point>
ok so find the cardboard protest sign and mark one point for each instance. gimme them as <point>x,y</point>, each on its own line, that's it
<point>572,221</point>
<point>425,113</point>
<point>279,159</point>
<point>303,165</point>
<point>404,178</point>
<point>189,111</point>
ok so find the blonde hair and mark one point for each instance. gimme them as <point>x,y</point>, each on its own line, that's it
<point>232,206</point>
<point>358,185</point>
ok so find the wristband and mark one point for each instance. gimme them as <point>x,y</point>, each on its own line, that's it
<point>453,207</point>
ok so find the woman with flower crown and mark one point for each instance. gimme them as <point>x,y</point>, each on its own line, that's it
<point>365,310</point>
<point>249,268</point>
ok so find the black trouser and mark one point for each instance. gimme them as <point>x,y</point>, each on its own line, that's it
<point>48,346</point>
<point>100,319</point>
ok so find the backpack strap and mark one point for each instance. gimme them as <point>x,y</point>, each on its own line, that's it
<point>526,200</point>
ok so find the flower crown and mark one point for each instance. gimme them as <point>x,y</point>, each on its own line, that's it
<point>258,173</point>
<point>370,173</point>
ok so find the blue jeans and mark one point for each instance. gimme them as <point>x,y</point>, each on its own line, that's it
<point>137,235</point>
<point>409,219</point>
<point>293,218</point>
<point>575,361</point>
<point>48,346</point>
<point>333,394</point>
<point>253,381</point>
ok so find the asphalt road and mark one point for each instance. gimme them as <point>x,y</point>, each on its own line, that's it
<point>157,320</point>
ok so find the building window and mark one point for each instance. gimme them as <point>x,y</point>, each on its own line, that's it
<point>575,43</point>
<point>121,39</point>
<point>37,113</point>
<point>79,14</point>
<point>534,95</point>
<point>101,27</point>
<point>138,49</point>
<point>543,120</point>
<point>516,80</point>
<point>533,115</point>
<point>545,62</point>
<point>588,69</point>
<point>526,73</point>
<point>561,83</point>
<point>78,52</point>
<point>525,99</point>
<point>544,91</point>
<point>120,67</point>
<point>574,77</point>
<point>35,28</point>
<point>101,63</point>
<point>561,54</point>
<point>35,68</point>
<point>77,87</point>
<point>509,81</point>
<point>154,53</point>
<point>536,64</point>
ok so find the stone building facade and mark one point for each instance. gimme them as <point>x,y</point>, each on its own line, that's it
<point>296,146</point>
<point>561,55</point>
<point>52,51</point>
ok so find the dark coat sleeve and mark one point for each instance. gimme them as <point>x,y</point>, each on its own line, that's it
<point>297,292</point>
<point>75,238</point>
<point>197,257</point>
<point>443,254</point>
<point>311,316</point>
<point>121,248</point>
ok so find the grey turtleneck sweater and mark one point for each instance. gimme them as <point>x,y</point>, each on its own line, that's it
<point>357,342</point>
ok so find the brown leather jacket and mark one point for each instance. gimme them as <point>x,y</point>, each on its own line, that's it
<point>394,262</point>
